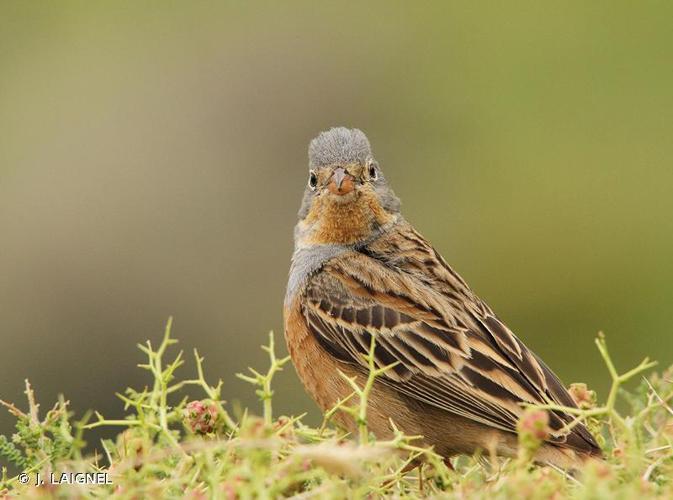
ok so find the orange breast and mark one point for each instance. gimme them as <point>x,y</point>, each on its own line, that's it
<point>317,370</point>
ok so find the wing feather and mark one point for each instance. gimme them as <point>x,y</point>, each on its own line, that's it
<point>450,350</point>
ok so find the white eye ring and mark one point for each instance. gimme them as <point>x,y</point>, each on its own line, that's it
<point>373,171</point>
<point>312,180</point>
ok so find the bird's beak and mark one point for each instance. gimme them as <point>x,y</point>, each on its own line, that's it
<point>341,183</point>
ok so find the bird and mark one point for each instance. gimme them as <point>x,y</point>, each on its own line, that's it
<point>360,276</point>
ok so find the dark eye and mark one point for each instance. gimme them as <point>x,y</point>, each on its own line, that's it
<point>312,180</point>
<point>373,172</point>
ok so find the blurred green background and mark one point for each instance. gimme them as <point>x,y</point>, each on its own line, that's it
<point>153,156</point>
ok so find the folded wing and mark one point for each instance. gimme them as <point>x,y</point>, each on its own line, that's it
<point>451,354</point>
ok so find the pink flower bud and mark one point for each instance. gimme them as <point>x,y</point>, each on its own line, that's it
<point>200,416</point>
<point>533,428</point>
<point>583,397</point>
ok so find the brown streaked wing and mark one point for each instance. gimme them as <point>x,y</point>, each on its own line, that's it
<point>486,334</point>
<point>484,374</point>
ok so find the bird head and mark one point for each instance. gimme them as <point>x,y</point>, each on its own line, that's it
<point>347,197</point>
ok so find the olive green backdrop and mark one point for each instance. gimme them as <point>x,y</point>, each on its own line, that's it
<point>153,155</point>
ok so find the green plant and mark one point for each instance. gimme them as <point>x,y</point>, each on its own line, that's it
<point>173,444</point>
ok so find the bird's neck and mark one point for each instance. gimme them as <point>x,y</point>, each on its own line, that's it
<point>331,223</point>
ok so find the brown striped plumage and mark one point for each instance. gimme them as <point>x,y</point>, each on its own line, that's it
<point>361,270</point>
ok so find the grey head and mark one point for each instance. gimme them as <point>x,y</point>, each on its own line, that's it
<point>344,147</point>
<point>339,146</point>
<point>342,169</point>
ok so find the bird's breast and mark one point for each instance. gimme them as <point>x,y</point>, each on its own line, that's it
<point>317,370</point>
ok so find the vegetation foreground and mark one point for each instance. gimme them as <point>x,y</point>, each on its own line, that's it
<point>172,445</point>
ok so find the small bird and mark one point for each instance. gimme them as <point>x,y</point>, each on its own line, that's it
<point>459,376</point>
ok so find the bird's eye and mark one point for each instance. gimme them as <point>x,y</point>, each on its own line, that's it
<point>373,172</point>
<point>312,180</point>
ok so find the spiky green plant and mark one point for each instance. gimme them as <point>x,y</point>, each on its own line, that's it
<point>174,443</point>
